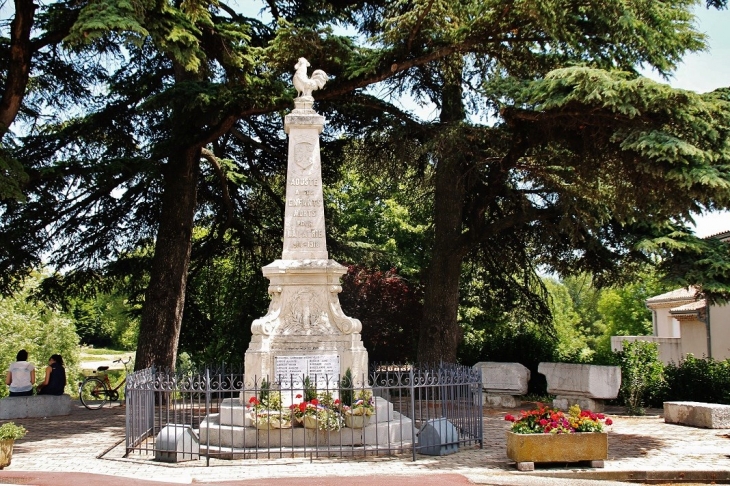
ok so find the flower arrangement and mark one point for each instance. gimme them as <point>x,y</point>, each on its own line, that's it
<point>544,420</point>
<point>267,411</point>
<point>321,413</point>
<point>10,431</point>
<point>363,405</point>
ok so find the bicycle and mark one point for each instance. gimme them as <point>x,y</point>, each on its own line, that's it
<point>95,391</point>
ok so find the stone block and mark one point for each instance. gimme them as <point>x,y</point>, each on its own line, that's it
<point>562,402</point>
<point>504,378</point>
<point>500,401</point>
<point>233,412</point>
<point>581,380</point>
<point>698,414</point>
<point>34,406</point>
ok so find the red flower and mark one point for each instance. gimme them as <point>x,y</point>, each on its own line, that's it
<point>314,402</point>
<point>302,406</point>
<point>299,395</point>
<point>609,421</point>
<point>337,401</point>
<point>253,401</point>
<point>510,418</point>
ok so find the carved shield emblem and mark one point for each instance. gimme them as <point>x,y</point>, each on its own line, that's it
<point>304,155</point>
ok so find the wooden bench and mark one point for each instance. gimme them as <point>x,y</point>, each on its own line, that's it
<point>34,406</point>
<point>698,414</point>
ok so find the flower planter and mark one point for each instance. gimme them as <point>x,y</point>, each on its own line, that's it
<point>309,422</point>
<point>357,421</point>
<point>271,420</point>
<point>6,452</point>
<point>527,449</point>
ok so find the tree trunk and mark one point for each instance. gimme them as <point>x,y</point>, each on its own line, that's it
<point>440,333</point>
<point>19,69</point>
<point>165,297</point>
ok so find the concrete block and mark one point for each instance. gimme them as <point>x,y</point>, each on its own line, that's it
<point>698,414</point>
<point>504,378</point>
<point>34,406</point>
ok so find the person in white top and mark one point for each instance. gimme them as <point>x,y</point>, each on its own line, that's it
<point>21,376</point>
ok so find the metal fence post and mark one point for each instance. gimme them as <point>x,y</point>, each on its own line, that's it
<point>413,412</point>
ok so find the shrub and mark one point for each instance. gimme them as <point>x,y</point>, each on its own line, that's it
<point>702,380</point>
<point>641,374</point>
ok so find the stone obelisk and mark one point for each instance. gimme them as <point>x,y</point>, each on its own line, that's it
<point>305,332</point>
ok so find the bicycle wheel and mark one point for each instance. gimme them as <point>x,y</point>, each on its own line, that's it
<point>93,393</point>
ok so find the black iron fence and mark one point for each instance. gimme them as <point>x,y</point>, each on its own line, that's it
<point>401,409</point>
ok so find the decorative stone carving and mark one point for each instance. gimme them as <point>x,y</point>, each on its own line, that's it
<point>305,85</point>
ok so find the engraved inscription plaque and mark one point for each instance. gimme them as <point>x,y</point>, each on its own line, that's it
<point>323,371</point>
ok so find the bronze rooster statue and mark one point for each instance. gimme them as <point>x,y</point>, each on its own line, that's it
<point>305,85</point>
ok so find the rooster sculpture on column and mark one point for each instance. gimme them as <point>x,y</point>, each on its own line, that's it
<point>305,85</point>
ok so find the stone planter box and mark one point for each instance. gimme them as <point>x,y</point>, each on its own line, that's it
<point>527,449</point>
<point>6,452</point>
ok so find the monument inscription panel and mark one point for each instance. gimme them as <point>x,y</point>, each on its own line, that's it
<point>323,371</point>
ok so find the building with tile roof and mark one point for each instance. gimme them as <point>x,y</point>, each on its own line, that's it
<point>685,323</point>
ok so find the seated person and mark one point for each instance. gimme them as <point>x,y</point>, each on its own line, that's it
<point>21,376</point>
<point>55,381</point>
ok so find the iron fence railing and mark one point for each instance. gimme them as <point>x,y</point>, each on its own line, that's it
<point>211,414</point>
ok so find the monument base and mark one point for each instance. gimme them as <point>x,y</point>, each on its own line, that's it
<point>231,433</point>
<point>306,324</point>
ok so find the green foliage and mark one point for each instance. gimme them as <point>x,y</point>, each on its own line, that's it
<point>572,345</point>
<point>641,372</point>
<point>26,323</point>
<point>269,399</point>
<point>346,388</point>
<point>310,392</point>
<point>699,380</point>
<point>105,320</point>
<point>11,431</point>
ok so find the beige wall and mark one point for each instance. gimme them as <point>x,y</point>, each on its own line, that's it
<point>720,322</point>
<point>694,338</point>
<point>670,349</point>
<point>667,326</point>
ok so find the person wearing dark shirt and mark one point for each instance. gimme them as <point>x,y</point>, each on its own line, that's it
<point>55,381</point>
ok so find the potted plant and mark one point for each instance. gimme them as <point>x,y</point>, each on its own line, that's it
<point>318,413</point>
<point>548,435</point>
<point>358,414</point>
<point>9,433</point>
<point>266,411</point>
